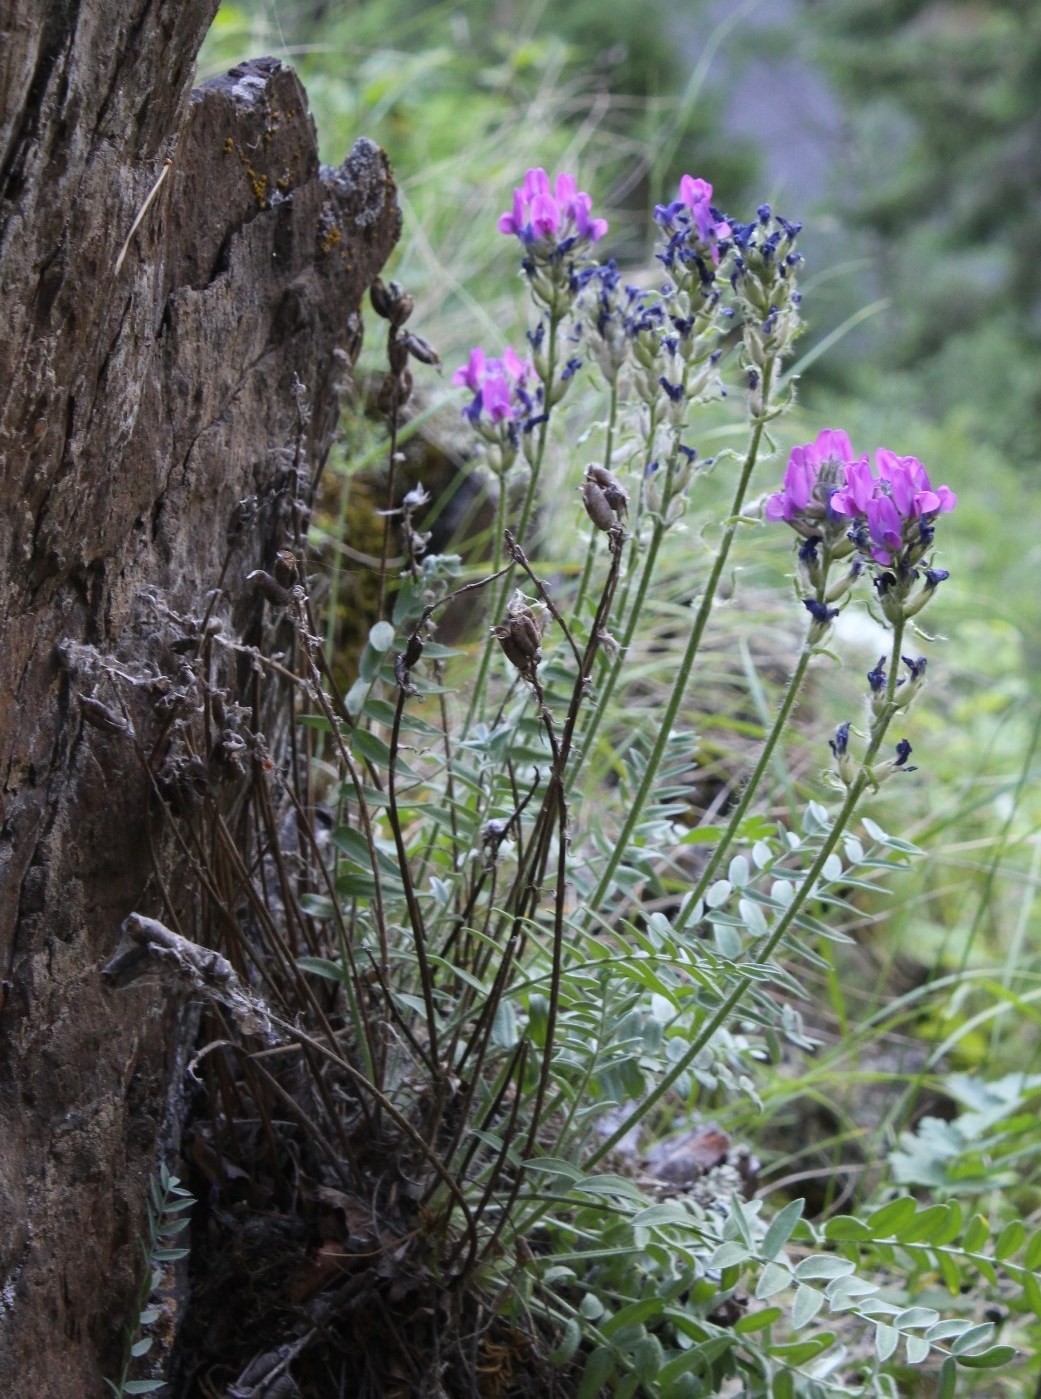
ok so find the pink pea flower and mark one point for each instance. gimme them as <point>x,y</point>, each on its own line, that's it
<point>469,375</point>
<point>813,472</point>
<point>499,386</point>
<point>901,492</point>
<point>544,214</point>
<point>859,490</point>
<point>697,195</point>
<point>886,527</point>
<point>910,488</point>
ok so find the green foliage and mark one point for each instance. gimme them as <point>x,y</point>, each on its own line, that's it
<point>167,1217</point>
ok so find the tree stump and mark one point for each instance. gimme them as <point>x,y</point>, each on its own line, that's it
<point>145,392</point>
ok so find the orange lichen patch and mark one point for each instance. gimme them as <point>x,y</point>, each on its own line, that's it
<point>330,237</point>
<point>259,183</point>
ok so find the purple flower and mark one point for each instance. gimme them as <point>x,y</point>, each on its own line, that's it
<point>693,230</point>
<point>813,472</point>
<point>899,493</point>
<point>909,486</point>
<point>886,528</point>
<point>697,195</point>
<point>499,386</point>
<point>542,214</point>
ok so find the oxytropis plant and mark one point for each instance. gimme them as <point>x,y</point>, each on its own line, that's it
<point>484,965</point>
<point>628,1011</point>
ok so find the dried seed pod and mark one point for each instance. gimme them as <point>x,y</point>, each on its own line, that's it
<point>597,507</point>
<point>413,651</point>
<point>391,302</point>
<point>397,353</point>
<point>242,517</point>
<point>394,392</point>
<point>101,717</point>
<point>520,636</point>
<point>286,568</point>
<point>614,492</point>
<point>380,298</point>
<point>269,587</point>
<point>421,349</point>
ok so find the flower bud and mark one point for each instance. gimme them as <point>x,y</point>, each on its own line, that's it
<point>839,746</point>
<point>885,770</point>
<point>822,616</point>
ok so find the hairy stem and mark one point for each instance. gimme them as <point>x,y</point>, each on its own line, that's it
<point>806,889</point>
<point>621,841</point>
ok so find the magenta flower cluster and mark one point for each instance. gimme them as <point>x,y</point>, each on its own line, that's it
<point>542,213</point>
<point>825,481</point>
<point>499,386</point>
<point>901,492</point>
<point>806,481</point>
<point>691,226</point>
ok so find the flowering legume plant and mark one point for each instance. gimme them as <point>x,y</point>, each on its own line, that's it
<point>558,978</point>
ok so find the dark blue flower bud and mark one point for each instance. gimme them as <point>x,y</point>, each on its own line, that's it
<point>883,581</point>
<point>819,611</point>
<point>903,752</point>
<point>839,743</point>
<point>915,666</point>
<point>808,549</point>
<point>877,677</point>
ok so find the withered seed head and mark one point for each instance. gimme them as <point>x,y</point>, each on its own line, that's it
<point>286,567</point>
<point>520,636</point>
<point>394,391</point>
<point>391,302</point>
<point>421,349</point>
<point>605,499</point>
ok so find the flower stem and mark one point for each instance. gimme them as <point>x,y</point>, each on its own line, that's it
<point>855,791</point>
<point>621,840</point>
<point>503,591</point>
<point>751,786</point>
<point>587,570</point>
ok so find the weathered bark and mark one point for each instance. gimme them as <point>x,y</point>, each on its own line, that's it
<point>138,406</point>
